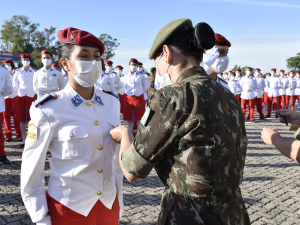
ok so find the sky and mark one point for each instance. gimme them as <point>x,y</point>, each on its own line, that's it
<point>263,33</point>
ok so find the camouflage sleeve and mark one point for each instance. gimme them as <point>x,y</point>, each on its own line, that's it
<point>155,136</point>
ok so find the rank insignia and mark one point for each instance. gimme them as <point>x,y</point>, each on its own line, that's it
<point>98,100</point>
<point>32,131</point>
<point>76,100</point>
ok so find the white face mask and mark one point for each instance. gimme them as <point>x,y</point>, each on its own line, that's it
<point>298,75</point>
<point>163,79</point>
<point>108,68</point>
<point>47,62</point>
<point>8,67</point>
<point>133,68</point>
<point>119,72</point>
<point>232,78</point>
<point>221,64</point>
<point>248,72</point>
<point>273,74</point>
<point>139,69</point>
<point>256,74</point>
<point>291,75</point>
<point>87,72</point>
<point>225,77</point>
<point>26,63</point>
<point>238,74</point>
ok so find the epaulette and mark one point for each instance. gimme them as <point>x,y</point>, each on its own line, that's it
<point>111,93</point>
<point>44,99</point>
<point>224,81</point>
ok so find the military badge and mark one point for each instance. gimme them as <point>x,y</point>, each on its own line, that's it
<point>32,131</point>
<point>72,37</point>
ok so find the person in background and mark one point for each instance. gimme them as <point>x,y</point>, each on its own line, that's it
<point>10,106</point>
<point>266,90</point>
<point>119,71</point>
<point>105,82</point>
<point>282,91</point>
<point>248,85</point>
<point>233,84</point>
<point>239,90</point>
<point>140,70</point>
<point>259,93</point>
<point>273,84</point>
<point>47,79</point>
<point>135,87</point>
<point>5,89</point>
<point>290,91</point>
<point>55,65</point>
<point>297,91</point>
<point>115,78</point>
<point>152,80</point>
<point>23,83</point>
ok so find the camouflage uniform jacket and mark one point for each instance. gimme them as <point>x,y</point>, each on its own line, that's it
<point>193,133</point>
<point>151,79</point>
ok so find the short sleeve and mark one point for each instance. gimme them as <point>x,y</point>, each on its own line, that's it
<point>154,138</point>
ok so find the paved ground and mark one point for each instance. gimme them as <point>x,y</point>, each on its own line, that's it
<point>270,188</point>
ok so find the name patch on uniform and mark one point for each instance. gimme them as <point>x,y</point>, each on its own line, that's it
<point>147,116</point>
<point>54,75</point>
<point>32,132</point>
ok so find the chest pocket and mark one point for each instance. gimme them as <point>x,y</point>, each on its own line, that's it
<point>73,141</point>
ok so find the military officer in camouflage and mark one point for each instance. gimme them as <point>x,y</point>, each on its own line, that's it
<point>192,133</point>
<point>152,80</point>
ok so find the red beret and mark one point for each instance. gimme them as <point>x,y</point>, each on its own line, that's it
<point>273,69</point>
<point>238,70</point>
<point>221,73</point>
<point>282,71</point>
<point>25,55</point>
<point>46,52</point>
<point>16,68</point>
<point>220,39</point>
<point>291,71</point>
<point>257,69</point>
<point>249,68</point>
<point>119,67</point>
<point>8,61</point>
<point>80,37</point>
<point>108,62</point>
<point>268,73</point>
<point>133,60</point>
<point>55,65</point>
<point>297,71</point>
<point>231,72</point>
<point>140,64</point>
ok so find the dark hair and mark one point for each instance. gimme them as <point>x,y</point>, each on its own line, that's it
<point>64,51</point>
<point>11,64</point>
<point>191,41</point>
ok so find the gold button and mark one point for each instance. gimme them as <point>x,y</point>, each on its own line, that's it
<point>100,147</point>
<point>100,170</point>
<point>72,135</point>
<point>89,104</point>
<point>96,123</point>
<point>99,193</point>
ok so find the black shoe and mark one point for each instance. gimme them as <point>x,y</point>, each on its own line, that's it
<point>4,160</point>
<point>262,118</point>
<point>49,154</point>
<point>267,116</point>
<point>19,139</point>
<point>276,116</point>
<point>21,145</point>
<point>8,140</point>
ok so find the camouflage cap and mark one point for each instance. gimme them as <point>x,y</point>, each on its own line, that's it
<point>152,69</point>
<point>166,32</point>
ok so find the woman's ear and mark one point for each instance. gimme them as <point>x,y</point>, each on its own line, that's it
<point>64,64</point>
<point>168,54</point>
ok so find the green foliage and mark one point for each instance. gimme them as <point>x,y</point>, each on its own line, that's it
<point>110,44</point>
<point>294,62</point>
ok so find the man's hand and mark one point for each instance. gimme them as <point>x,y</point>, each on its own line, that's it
<point>291,116</point>
<point>268,135</point>
<point>116,133</point>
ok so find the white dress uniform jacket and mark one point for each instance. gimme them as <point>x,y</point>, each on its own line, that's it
<point>266,89</point>
<point>239,90</point>
<point>222,82</point>
<point>46,81</point>
<point>122,90</point>
<point>234,85</point>
<point>5,87</point>
<point>248,85</point>
<point>116,82</point>
<point>290,91</point>
<point>284,85</point>
<point>15,92</point>
<point>105,83</point>
<point>23,82</point>
<point>259,91</point>
<point>135,84</point>
<point>297,91</point>
<point>148,86</point>
<point>273,84</point>
<point>76,131</point>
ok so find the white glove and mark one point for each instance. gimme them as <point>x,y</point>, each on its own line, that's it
<point>210,56</point>
<point>206,68</point>
<point>45,221</point>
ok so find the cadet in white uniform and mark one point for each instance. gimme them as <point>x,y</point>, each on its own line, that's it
<point>5,89</point>
<point>259,91</point>
<point>248,84</point>
<point>23,83</point>
<point>234,85</point>
<point>297,91</point>
<point>282,91</point>
<point>266,90</point>
<point>239,90</point>
<point>290,91</point>
<point>116,82</point>
<point>273,93</point>
<point>85,185</point>
<point>140,70</point>
<point>47,79</point>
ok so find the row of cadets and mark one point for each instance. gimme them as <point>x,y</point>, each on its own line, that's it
<point>248,84</point>
<point>105,82</point>
<point>233,84</point>
<point>259,91</point>
<point>273,84</point>
<point>23,83</point>
<point>47,79</point>
<point>140,70</point>
<point>116,82</point>
<point>135,86</point>
<point>10,106</point>
<point>5,90</point>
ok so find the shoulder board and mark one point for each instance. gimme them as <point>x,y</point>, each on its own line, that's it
<point>111,93</point>
<point>44,99</point>
<point>224,81</point>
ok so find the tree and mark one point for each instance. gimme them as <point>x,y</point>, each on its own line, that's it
<point>16,34</point>
<point>110,44</point>
<point>294,62</point>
